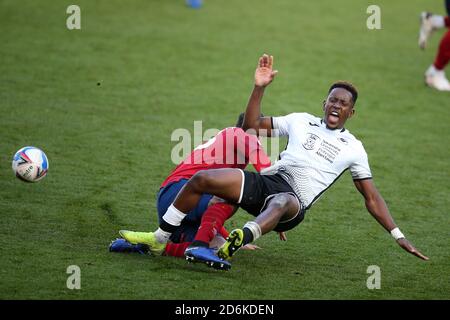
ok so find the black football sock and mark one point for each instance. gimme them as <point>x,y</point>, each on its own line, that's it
<point>165,226</point>
<point>198,243</point>
<point>248,236</point>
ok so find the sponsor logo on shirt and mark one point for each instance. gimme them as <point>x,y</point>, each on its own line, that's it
<point>328,151</point>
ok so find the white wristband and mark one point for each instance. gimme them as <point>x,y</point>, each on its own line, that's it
<point>397,234</point>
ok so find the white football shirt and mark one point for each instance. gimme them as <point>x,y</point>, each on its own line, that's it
<point>315,156</point>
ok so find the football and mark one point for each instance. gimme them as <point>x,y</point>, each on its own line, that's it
<point>30,164</point>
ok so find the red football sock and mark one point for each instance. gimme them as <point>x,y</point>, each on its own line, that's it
<point>176,249</point>
<point>443,55</point>
<point>213,220</point>
<point>223,232</point>
<point>447,21</point>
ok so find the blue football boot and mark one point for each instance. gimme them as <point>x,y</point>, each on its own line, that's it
<point>122,245</point>
<point>207,256</point>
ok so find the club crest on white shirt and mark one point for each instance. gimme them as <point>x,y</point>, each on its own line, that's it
<point>311,140</point>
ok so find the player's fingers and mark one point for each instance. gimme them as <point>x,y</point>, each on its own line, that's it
<point>274,73</point>
<point>416,252</point>
<point>420,255</point>
<point>260,63</point>
<point>265,60</point>
<point>250,246</point>
<point>270,61</point>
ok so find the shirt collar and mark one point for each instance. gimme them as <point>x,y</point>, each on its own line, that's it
<point>323,123</point>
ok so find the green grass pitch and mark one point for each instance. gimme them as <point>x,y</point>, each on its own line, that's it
<point>103,101</point>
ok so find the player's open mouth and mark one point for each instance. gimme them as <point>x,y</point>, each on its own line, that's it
<point>334,113</point>
<point>333,117</point>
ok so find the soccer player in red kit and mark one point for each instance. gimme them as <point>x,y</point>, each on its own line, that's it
<point>435,75</point>
<point>230,148</point>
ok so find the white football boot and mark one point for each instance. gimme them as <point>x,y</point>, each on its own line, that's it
<point>436,79</point>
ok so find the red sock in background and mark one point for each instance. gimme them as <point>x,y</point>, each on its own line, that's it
<point>443,55</point>
<point>176,249</point>
<point>213,220</point>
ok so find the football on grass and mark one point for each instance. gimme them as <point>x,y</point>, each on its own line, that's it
<point>30,164</point>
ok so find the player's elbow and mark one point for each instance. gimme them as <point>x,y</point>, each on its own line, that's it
<point>370,204</point>
<point>251,124</point>
<point>248,125</point>
<point>374,201</point>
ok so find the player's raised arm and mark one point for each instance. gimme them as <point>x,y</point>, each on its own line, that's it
<point>264,75</point>
<point>377,207</point>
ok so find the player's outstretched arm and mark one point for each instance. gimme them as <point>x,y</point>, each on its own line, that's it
<point>264,75</point>
<point>377,207</point>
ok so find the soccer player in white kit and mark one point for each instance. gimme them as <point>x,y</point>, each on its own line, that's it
<point>319,150</point>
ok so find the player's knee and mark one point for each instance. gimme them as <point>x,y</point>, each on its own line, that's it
<point>201,180</point>
<point>281,201</point>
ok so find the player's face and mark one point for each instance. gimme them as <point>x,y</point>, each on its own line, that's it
<point>338,108</point>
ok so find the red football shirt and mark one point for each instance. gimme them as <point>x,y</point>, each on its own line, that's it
<point>230,148</point>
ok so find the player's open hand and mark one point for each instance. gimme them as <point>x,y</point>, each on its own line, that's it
<point>264,73</point>
<point>406,245</point>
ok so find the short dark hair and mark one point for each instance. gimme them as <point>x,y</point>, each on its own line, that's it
<point>347,86</point>
<point>240,120</point>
